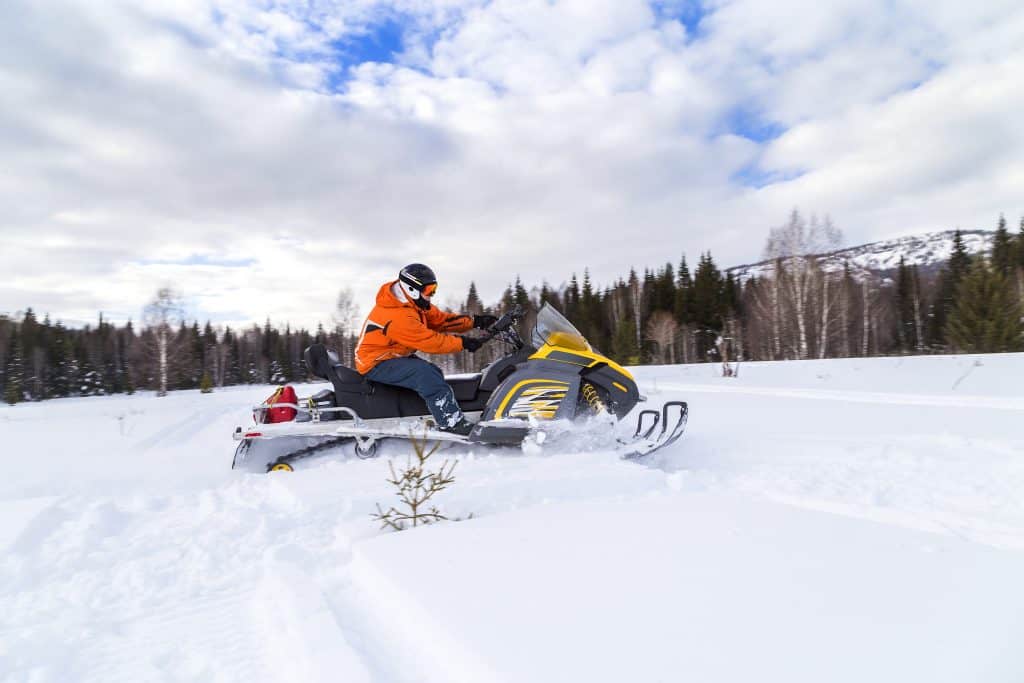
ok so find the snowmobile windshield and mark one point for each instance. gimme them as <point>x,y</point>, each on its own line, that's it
<point>552,328</point>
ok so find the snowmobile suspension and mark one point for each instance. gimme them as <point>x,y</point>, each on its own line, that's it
<point>593,398</point>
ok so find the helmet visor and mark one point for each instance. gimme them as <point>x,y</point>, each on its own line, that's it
<point>428,290</point>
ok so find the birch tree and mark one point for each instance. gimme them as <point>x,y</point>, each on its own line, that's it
<point>845,289</point>
<point>865,342</point>
<point>162,314</point>
<point>661,329</point>
<point>346,322</point>
<point>636,294</point>
<point>795,248</point>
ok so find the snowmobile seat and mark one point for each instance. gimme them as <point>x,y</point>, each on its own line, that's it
<point>465,386</point>
<point>372,400</point>
<point>325,364</point>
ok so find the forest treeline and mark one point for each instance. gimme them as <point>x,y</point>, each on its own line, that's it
<point>677,313</point>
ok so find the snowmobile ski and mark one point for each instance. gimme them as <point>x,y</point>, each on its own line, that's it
<point>645,441</point>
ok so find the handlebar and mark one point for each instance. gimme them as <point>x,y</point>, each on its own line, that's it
<point>512,316</point>
<point>505,323</point>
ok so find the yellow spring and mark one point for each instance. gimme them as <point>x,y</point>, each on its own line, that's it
<point>592,397</point>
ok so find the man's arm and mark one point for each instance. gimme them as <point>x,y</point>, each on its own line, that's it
<point>409,331</point>
<point>445,321</point>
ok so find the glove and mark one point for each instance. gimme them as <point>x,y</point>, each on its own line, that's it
<point>471,344</point>
<point>482,322</point>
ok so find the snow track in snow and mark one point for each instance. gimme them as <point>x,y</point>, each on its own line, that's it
<point>873,398</point>
<point>177,588</point>
<point>129,551</point>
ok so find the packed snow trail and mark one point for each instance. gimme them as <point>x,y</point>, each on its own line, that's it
<point>821,538</point>
<point>709,588</point>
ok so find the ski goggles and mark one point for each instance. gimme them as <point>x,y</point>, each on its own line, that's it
<point>428,290</point>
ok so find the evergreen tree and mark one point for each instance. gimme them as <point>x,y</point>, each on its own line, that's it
<point>62,364</point>
<point>624,349</point>
<point>1002,249</point>
<point>127,346</point>
<point>987,316</point>
<point>473,304</point>
<point>1017,271</point>
<point>628,305</point>
<point>1019,246</point>
<point>684,285</point>
<point>42,369</point>
<point>233,361</point>
<point>114,360</point>
<point>276,366</point>
<point>286,356</point>
<point>209,349</point>
<point>949,281</point>
<point>588,322</point>
<point>572,299</point>
<point>102,355</point>
<point>508,298</point>
<point>197,353</point>
<point>90,379</point>
<point>31,381</point>
<point>650,297</point>
<point>904,307</point>
<point>707,309</point>
<point>665,289</point>
<point>520,295</point>
<point>90,382</point>
<point>549,296</point>
<point>959,259</point>
<point>730,295</point>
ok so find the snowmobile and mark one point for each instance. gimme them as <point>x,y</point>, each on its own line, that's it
<point>560,377</point>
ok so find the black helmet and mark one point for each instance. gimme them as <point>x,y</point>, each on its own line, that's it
<point>419,283</point>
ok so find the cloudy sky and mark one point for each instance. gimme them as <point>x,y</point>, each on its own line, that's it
<point>260,155</point>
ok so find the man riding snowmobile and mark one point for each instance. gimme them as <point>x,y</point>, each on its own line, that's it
<point>529,392</point>
<point>402,322</point>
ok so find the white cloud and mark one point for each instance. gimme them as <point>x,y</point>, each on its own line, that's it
<point>530,138</point>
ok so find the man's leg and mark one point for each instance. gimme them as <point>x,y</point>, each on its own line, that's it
<point>427,380</point>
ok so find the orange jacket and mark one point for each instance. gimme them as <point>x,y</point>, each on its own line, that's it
<point>395,329</point>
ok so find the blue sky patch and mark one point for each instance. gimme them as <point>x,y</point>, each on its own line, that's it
<point>748,123</point>
<point>689,13</point>
<point>379,42</point>
<point>752,175</point>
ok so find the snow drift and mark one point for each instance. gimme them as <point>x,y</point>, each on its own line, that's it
<point>822,520</point>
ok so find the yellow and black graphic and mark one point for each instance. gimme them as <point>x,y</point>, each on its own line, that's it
<point>583,358</point>
<point>538,398</point>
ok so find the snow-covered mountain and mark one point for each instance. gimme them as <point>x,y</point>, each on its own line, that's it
<point>927,251</point>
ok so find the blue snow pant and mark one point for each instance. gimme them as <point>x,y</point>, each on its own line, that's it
<point>427,380</point>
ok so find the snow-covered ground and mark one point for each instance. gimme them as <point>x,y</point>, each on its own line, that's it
<point>857,520</point>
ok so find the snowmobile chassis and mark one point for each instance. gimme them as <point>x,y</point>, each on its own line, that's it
<point>366,436</point>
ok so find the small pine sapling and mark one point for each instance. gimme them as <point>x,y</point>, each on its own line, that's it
<point>415,486</point>
<point>206,384</point>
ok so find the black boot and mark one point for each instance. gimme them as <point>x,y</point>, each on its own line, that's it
<point>463,427</point>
